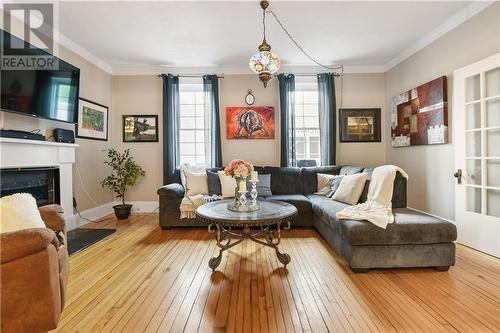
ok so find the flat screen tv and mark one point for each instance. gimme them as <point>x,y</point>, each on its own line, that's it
<point>50,94</point>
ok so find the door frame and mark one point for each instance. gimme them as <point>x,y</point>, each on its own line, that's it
<point>476,230</point>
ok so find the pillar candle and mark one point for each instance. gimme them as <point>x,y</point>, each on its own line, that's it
<point>254,175</point>
<point>243,186</point>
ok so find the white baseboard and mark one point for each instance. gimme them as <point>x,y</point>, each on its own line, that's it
<point>143,206</point>
<point>95,213</point>
<point>436,216</point>
<point>74,221</point>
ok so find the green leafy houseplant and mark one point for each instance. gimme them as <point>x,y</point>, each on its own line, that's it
<point>125,173</point>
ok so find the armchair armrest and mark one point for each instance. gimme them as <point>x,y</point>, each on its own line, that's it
<point>18,244</point>
<point>174,190</point>
<point>53,217</point>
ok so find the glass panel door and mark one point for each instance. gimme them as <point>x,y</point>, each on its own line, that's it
<point>476,125</point>
<point>482,142</point>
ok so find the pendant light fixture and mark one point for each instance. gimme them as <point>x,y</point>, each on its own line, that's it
<point>265,63</point>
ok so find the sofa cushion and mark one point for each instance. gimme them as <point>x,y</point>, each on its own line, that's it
<point>350,189</point>
<point>325,208</point>
<point>263,187</point>
<point>214,186</point>
<point>399,192</point>
<point>301,202</point>
<point>409,227</point>
<point>310,180</point>
<point>350,170</point>
<point>285,180</point>
<point>228,185</point>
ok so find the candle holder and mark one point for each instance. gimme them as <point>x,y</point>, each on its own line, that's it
<point>243,206</point>
<point>254,193</point>
<point>243,198</point>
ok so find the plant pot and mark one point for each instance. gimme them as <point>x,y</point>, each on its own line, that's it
<point>122,212</point>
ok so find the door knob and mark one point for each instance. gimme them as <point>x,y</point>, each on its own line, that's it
<point>458,176</point>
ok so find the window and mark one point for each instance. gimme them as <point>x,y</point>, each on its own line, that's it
<point>307,144</point>
<point>194,133</point>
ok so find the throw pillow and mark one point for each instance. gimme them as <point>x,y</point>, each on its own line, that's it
<point>324,183</point>
<point>334,185</point>
<point>263,186</point>
<point>18,212</point>
<point>196,183</point>
<point>228,184</point>
<point>190,168</point>
<point>214,186</point>
<point>350,188</point>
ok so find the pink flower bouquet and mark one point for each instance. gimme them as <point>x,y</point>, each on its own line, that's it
<point>238,169</point>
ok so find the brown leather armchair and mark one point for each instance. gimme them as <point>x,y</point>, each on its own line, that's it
<point>34,275</point>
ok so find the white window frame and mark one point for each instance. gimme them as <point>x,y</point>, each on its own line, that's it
<point>200,138</point>
<point>305,84</point>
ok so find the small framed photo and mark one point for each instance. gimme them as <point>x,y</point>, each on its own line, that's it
<point>140,128</point>
<point>360,125</point>
<point>92,120</point>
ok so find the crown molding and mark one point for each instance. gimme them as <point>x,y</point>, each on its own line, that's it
<point>450,24</point>
<point>84,53</point>
<point>236,70</point>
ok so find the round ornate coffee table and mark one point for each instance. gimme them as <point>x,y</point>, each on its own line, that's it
<point>225,225</point>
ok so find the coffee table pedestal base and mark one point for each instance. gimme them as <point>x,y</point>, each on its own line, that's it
<point>225,235</point>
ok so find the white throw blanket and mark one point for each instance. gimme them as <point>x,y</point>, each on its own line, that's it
<point>190,203</point>
<point>378,207</point>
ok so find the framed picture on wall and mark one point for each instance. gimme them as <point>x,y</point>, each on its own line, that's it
<point>140,128</point>
<point>249,122</point>
<point>360,125</point>
<point>92,120</point>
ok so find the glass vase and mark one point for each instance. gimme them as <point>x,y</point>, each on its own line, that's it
<point>237,190</point>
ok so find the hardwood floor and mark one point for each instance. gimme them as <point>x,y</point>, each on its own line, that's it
<point>143,279</point>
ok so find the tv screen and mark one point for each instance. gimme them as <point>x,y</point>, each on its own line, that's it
<point>44,93</point>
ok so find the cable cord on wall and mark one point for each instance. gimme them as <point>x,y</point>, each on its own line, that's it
<point>83,185</point>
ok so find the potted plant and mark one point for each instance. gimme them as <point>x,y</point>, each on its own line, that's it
<point>125,172</point>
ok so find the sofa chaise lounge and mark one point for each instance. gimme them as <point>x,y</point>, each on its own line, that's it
<point>413,240</point>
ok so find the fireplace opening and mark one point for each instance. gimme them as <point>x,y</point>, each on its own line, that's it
<point>41,183</point>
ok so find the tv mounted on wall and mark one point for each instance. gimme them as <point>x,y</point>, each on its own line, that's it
<point>43,93</point>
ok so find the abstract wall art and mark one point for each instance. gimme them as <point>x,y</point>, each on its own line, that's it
<point>420,116</point>
<point>244,122</point>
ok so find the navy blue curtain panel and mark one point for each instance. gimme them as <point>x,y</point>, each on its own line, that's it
<point>211,92</point>
<point>171,124</point>
<point>327,106</point>
<point>287,109</point>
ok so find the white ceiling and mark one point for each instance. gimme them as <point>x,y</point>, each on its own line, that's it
<point>143,37</point>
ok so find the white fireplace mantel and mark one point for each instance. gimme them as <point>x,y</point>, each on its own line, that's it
<point>20,153</point>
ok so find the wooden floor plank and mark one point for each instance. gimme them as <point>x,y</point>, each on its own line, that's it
<point>144,279</point>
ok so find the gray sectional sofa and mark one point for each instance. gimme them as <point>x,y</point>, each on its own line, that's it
<point>413,240</point>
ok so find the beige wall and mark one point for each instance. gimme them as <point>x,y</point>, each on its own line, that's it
<point>362,91</point>
<point>233,89</point>
<point>140,95</point>
<point>143,95</point>
<point>95,85</point>
<point>430,168</point>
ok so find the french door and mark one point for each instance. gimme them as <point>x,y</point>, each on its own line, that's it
<point>476,106</point>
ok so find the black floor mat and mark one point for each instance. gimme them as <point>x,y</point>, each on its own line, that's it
<point>79,239</point>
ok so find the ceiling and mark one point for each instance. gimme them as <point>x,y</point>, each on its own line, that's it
<point>142,37</point>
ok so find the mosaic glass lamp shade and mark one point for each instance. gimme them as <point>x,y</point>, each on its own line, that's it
<point>265,63</point>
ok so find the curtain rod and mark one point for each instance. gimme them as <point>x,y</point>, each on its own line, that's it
<point>221,76</point>
<point>193,75</point>
<point>312,74</point>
